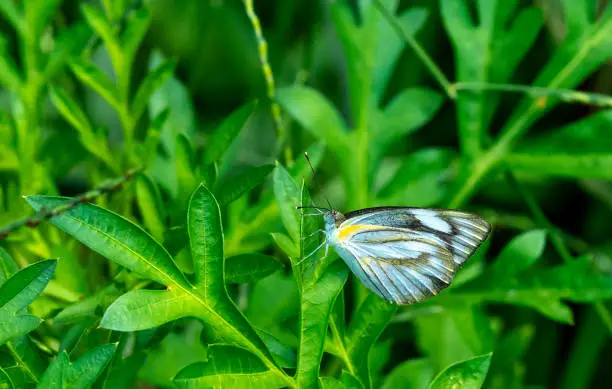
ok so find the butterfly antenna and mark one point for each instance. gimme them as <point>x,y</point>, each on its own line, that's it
<point>313,176</point>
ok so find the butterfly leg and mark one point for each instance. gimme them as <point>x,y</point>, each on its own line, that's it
<point>315,232</point>
<point>313,252</point>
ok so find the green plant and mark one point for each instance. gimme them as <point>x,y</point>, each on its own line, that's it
<point>192,267</point>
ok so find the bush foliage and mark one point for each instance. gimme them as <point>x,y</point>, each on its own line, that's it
<point>192,270</point>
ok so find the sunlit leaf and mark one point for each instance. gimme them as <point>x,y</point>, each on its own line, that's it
<point>469,374</point>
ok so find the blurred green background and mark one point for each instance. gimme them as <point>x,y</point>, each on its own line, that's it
<point>383,129</point>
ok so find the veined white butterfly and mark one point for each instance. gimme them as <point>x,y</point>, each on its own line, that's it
<point>404,254</point>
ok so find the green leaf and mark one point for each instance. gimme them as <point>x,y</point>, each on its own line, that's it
<point>245,268</point>
<point>468,374</point>
<point>88,308</point>
<point>143,309</point>
<point>116,238</point>
<point>318,297</point>
<point>174,98</point>
<point>9,74</point>
<point>286,244</point>
<point>519,254</point>
<point>228,367</point>
<point>54,375</point>
<point>316,114</point>
<point>5,380</point>
<point>273,300</point>
<point>38,17</point>
<point>85,370</point>
<point>389,45</point>
<point>23,287</point>
<point>411,374</point>
<point>185,170</point>
<point>478,49</point>
<point>422,180</point>
<point>69,43</point>
<point>151,83</point>
<point>578,281</point>
<point>14,326</point>
<point>137,24</point>
<point>165,360</point>
<point>78,375</point>
<point>591,166</point>
<point>458,332</point>
<point>71,111</point>
<point>13,15</point>
<point>8,267</point>
<point>372,48</point>
<point>150,206</point>
<point>283,355</point>
<point>105,30</point>
<point>288,198</point>
<point>408,111</point>
<point>369,321</point>
<point>90,75</point>
<point>226,132</point>
<point>507,363</point>
<point>206,241</point>
<point>571,63</point>
<point>236,185</point>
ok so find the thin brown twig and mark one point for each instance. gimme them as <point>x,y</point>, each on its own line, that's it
<point>45,214</point>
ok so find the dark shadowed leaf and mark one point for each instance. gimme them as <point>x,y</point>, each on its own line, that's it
<point>246,268</point>
<point>236,185</point>
<point>226,132</point>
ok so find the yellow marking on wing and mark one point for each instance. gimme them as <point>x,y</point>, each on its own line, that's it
<point>348,231</point>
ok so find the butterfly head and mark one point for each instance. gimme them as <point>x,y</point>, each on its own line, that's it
<point>333,217</point>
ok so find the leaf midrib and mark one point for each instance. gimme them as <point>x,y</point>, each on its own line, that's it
<point>196,297</point>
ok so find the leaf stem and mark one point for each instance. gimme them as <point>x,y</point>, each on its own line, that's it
<point>435,71</point>
<point>262,49</point>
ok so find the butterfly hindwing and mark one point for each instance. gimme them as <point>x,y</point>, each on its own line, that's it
<point>408,254</point>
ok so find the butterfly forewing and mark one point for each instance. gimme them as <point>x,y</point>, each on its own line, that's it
<point>409,254</point>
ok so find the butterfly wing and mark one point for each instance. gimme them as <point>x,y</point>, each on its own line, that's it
<point>408,254</point>
<point>462,232</point>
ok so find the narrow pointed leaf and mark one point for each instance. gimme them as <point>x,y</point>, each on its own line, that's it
<point>137,25</point>
<point>287,196</point>
<point>468,374</point>
<point>519,254</point>
<point>14,326</point>
<point>150,205</point>
<point>23,287</point>
<point>153,81</point>
<point>85,371</point>
<point>226,132</point>
<point>234,186</point>
<point>90,75</point>
<point>316,114</point>
<point>116,238</point>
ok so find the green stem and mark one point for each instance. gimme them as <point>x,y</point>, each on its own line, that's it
<point>435,71</point>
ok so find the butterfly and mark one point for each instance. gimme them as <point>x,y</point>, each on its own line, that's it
<point>403,254</point>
